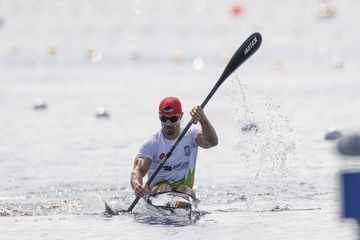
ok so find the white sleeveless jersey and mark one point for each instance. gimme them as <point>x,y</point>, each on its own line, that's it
<point>179,169</point>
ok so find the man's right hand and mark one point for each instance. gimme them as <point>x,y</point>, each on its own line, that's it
<point>141,191</point>
<point>141,166</point>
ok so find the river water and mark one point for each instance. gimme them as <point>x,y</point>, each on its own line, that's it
<point>281,181</point>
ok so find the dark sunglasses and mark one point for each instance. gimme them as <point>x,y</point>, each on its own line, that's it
<point>172,119</point>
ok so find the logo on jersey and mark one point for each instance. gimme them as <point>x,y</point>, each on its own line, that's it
<point>167,168</point>
<point>181,165</point>
<point>187,150</point>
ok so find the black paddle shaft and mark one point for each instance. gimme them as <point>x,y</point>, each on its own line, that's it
<point>247,49</point>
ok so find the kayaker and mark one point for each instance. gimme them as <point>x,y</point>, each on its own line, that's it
<point>178,172</point>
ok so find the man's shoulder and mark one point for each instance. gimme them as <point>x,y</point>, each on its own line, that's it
<point>154,138</point>
<point>157,136</point>
<point>191,135</point>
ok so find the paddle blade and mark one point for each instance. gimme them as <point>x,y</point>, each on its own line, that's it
<point>108,210</point>
<point>246,50</point>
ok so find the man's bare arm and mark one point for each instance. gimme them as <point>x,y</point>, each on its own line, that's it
<point>141,166</point>
<point>206,138</point>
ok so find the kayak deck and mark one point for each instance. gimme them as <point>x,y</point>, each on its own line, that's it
<point>172,203</point>
<point>162,205</point>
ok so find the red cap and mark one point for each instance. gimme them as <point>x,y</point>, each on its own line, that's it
<point>170,106</point>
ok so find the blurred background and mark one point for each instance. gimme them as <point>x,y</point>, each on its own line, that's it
<point>80,83</point>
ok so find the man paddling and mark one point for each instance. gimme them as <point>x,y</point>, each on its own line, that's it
<point>179,170</point>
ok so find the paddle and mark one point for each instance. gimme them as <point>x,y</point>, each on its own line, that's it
<point>247,49</point>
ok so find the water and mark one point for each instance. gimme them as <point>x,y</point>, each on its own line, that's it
<point>279,182</point>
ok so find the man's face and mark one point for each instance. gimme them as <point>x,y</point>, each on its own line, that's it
<point>170,123</point>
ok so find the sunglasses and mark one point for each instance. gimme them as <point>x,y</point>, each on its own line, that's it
<point>172,119</point>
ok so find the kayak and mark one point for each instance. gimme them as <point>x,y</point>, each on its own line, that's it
<point>167,204</point>
<point>172,204</point>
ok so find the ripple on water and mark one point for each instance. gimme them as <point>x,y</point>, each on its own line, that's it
<point>255,197</point>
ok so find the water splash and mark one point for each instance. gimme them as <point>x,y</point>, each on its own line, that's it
<point>265,149</point>
<point>147,214</point>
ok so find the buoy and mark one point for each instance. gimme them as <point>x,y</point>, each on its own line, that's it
<point>177,57</point>
<point>237,9</point>
<point>336,62</point>
<point>324,10</point>
<point>349,145</point>
<point>40,104</point>
<point>14,49</point>
<point>277,64</point>
<point>94,55</point>
<point>1,21</point>
<point>52,51</point>
<point>135,55</point>
<point>223,60</point>
<point>102,113</point>
<point>333,134</point>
